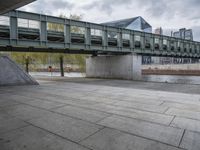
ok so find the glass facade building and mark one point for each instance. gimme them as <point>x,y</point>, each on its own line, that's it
<point>184,34</point>
<point>137,23</point>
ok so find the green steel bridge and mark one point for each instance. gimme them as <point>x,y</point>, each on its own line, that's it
<point>30,32</point>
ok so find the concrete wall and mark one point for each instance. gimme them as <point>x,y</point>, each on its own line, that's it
<point>12,74</point>
<point>173,67</point>
<point>118,67</point>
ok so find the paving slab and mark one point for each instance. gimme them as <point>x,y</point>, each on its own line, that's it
<point>25,112</point>
<point>151,108</point>
<point>140,99</point>
<point>7,102</point>
<point>4,116</point>
<point>82,113</point>
<point>44,104</point>
<point>11,124</point>
<point>66,127</point>
<point>181,100</point>
<point>184,113</point>
<point>157,132</point>
<point>169,96</point>
<point>132,113</point>
<point>32,138</point>
<point>17,98</point>
<point>191,141</point>
<point>100,99</point>
<point>69,93</point>
<point>57,98</point>
<point>42,96</point>
<point>183,106</point>
<point>184,123</point>
<point>110,139</point>
<point>79,102</point>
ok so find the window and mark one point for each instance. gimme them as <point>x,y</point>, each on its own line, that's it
<point>137,38</point>
<point>164,42</point>
<point>96,32</point>
<point>4,20</point>
<point>126,36</point>
<point>25,23</point>
<point>156,41</point>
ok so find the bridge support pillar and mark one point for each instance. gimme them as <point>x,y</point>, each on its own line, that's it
<point>117,67</point>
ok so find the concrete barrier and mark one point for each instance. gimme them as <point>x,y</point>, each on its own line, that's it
<point>172,69</point>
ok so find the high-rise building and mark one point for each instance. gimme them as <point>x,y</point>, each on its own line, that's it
<point>159,31</point>
<point>184,34</point>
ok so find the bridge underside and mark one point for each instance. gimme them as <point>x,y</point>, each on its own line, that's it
<point>92,52</point>
<point>83,51</point>
<point>54,50</point>
<point>8,5</point>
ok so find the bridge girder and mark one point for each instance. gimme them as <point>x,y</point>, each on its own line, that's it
<point>41,39</point>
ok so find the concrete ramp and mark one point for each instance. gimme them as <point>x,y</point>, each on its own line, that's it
<point>12,74</point>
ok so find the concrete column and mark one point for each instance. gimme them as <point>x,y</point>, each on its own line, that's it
<point>13,28</point>
<point>115,67</point>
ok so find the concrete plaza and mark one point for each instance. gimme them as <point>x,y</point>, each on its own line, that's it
<point>95,114</point>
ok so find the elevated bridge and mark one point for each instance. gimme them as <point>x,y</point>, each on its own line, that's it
<point>31,32</point>
<point>116,52</point>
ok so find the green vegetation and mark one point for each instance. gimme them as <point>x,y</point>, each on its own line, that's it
<point>35,59</point>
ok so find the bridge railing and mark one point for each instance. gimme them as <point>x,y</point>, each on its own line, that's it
<point>37,30</point>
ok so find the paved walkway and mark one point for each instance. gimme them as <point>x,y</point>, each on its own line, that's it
<point>91,114</point>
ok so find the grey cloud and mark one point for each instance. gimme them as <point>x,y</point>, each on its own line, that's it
<point>49,6</point>
<point>157,8</point>
<point>166,8</point>
<point>61,4</point>
<point>188,9</point>
<point>107,5</point>
<point>192,9</point>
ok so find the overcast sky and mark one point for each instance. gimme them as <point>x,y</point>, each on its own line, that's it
<point>168,14</point>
